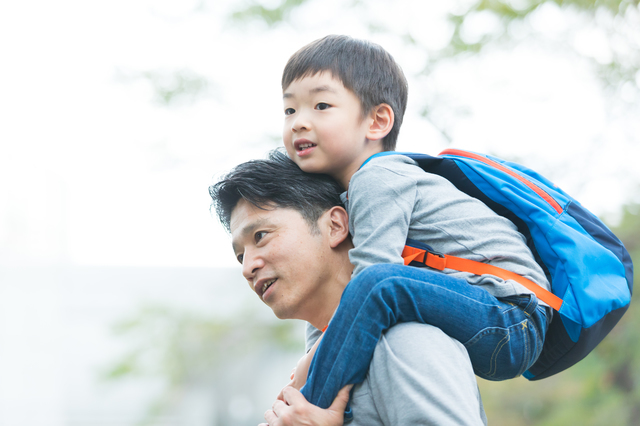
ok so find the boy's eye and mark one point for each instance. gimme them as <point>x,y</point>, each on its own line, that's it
<point>289,111</point>
<point>322,106</point>
<point>240,257</point>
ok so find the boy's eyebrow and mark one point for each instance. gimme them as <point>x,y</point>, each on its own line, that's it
<point>319,89</point>
<point>325,88</point>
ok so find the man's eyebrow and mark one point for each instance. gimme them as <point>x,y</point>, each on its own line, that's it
<point>319,89</point>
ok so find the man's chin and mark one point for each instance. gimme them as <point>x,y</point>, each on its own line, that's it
<point>283,314</point>
<point>279,313</point>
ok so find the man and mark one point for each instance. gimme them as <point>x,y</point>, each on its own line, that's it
<point>291,234</point>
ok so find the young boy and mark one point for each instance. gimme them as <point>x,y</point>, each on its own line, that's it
<point>344,100</point>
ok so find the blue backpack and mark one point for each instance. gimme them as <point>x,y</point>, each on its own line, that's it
<point>590,271</point>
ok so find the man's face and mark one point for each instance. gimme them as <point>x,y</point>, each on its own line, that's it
<point>282,259</point>
<point>324,130</point>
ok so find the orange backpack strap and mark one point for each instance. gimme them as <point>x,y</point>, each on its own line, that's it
<point>441,261</point>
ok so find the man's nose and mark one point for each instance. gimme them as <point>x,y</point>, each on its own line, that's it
<point>251,264</point>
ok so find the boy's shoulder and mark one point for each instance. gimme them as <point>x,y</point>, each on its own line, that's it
<point>393,177</point>
<point>391,166</point>
<point>388,158</point>
<point>390,161</point>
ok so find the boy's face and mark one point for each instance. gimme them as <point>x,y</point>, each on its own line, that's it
<point>324,130</point>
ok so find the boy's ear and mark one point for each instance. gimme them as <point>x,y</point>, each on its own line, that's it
<point>339,225</point>
<point>382,120</point>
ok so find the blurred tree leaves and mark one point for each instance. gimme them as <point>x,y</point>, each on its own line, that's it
<point>618,19</point>
<point>603,33</point>
<point>271,16</point>
<point>172,87</point>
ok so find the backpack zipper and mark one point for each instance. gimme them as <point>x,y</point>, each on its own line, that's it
<point>535,188</point>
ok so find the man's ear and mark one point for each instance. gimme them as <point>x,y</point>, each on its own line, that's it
<point>381,119</point>
<point>339,223</point>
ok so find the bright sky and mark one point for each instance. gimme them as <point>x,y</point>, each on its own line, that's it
<point>93,171</point>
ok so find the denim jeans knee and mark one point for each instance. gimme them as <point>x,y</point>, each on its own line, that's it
<point>500,353</point>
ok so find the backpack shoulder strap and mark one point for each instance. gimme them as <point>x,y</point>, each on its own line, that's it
<point>441,261</point>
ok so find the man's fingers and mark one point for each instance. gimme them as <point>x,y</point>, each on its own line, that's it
<point>270,417</point>
<point>293,396</point>
<point>340,403</point>
<point>277,407</point>
<point>280,395</point>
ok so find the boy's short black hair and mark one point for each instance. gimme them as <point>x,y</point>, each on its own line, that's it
<point>365,68</point>
<point>275,182</point>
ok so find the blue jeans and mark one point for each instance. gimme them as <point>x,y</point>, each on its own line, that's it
<point>503,336</point>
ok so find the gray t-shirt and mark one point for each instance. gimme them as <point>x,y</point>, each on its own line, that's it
<point>418,376</point>
<point>391,198</point>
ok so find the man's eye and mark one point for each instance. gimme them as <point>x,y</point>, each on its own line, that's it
<point>259,235</point>
<point>240,257</point>
<point>322,106</point>
<point>289,111</point>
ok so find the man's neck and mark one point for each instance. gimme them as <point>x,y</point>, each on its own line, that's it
<point>326,301</point>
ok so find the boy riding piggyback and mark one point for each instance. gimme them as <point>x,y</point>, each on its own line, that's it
<point>344,100</point>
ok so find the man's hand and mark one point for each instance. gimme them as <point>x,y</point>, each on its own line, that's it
<point>295,410</point>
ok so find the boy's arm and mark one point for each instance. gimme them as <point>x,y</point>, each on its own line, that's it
<point>381,201</point>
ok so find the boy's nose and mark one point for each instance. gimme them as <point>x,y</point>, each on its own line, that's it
<point>301,123</point>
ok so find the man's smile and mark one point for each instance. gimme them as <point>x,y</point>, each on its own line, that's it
<point>263,285</point>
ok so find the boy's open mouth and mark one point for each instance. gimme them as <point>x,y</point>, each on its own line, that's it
<point>302,146</point>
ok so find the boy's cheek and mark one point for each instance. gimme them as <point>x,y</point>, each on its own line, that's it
<point>290,151</point>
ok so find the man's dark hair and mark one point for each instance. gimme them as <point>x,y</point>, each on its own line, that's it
<point>275,182</point>
<point>365,68</point>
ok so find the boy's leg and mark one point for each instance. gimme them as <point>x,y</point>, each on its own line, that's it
<point>503,337</point>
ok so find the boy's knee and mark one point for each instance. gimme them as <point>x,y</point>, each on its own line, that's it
<point>376,272</point>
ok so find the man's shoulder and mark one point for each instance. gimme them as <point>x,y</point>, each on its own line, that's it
<point>402,342</point>
<point>418,375</point>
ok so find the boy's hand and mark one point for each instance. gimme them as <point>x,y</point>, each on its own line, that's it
<point>299,373</point>
<point>295,410</point>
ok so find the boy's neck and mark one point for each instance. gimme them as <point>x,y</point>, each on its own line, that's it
<point>344,176</point>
